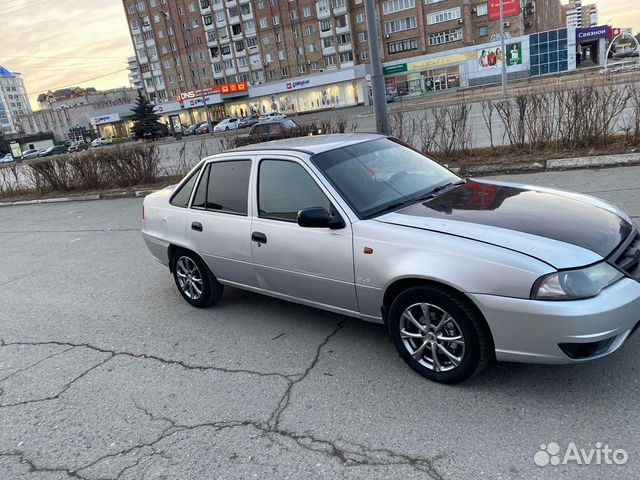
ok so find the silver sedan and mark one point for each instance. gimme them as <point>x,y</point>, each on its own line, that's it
<point>461,271</point>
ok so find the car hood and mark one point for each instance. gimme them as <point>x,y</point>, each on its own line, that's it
<point>562,229</point>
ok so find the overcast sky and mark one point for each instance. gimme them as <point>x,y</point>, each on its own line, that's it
<point>60,43</point>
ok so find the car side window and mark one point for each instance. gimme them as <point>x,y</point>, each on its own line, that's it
<point>224,187</point>
<point>181,196</point>
<point>276,129</point>
<point>285,188</point>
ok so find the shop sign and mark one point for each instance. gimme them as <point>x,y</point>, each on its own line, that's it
<point>298,84</point>
<point>592,33</point>
<point>227,89</point>
<point>111,118</point>
<point>395,69</point>
<point>440,61</point>
<point>511,8</point>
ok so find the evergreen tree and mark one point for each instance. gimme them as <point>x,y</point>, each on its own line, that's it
<point>146,123</point>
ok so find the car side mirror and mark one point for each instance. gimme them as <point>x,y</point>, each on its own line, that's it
<point>318,217</point>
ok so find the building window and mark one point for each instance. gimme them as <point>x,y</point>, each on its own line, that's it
<point>306,12</point>
<point>263,23</point>
<point>359,17</point>
<point>400,25</point>
<point>447,36</point>
<point>549,52</point>
<point>329,61</point>
<point>364,55</point>
<point>363,37</point>
<point>393,6</point>
<point>284,71</point>
<point>325,25</point>
<point>276,20</point>
<point>443,16</point>
<point>402,46</point>
<point>301,69</point>
<point>483,31</point>
<point>481,10</point>
<point>346,57</point>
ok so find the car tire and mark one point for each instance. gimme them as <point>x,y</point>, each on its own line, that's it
<point>195,282</point>
<point>420,344</point>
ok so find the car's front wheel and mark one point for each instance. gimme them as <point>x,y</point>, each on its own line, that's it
<point>438,334</point>
<point>194,280</point>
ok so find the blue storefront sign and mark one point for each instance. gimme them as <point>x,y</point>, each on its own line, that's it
<point>592,33</point>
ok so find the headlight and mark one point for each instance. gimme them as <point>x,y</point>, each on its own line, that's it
<point>575,284</point>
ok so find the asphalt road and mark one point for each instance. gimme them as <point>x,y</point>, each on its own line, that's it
<point>105,372</point>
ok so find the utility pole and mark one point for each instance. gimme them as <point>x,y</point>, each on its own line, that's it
<point>198,85</point>
<point>505,80</point>
<point>377,77</point>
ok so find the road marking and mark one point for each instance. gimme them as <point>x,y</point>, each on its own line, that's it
<point>74,241</point>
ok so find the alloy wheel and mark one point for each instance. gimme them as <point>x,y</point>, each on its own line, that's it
<point>432,337</point>
<point>189,278</point>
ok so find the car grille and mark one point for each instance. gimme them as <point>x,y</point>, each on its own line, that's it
<point>628,258</point>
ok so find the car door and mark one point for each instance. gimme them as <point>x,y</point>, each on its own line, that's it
<point>219,222</point>
<point>310,264</point>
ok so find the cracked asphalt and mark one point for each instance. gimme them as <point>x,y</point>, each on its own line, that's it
<point>106,373</point>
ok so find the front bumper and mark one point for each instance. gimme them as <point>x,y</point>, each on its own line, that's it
<point>532,330</point>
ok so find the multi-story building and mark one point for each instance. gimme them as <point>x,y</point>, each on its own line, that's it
<point>13,96</point>
<point>135,77</point>
<point>63,112</point>
<point>579,15</point>
<point>300,55</point>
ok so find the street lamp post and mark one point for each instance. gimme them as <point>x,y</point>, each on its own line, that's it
<point>199,86</point>
<point>505,79</point>
<point>377,77</point>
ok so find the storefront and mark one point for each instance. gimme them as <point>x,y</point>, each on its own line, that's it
<point>426,74</point>
<point>591,45</point>
<point>323,91</point>
<point>109,124</point>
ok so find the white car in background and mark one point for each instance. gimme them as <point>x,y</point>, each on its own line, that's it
<point>272,116</point>
<point>31,153</point>
<point>7,158</point>
<point>227,124</point>
<point>100,141</point>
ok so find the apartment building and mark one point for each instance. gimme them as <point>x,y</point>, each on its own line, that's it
<point>169,40</point>
<point>14,100</point>
<point>247,56</point>
<point>135,77</point>
<point>579,15</point>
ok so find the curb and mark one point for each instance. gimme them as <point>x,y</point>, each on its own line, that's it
<point>80,198</point>
<point>604,161</point>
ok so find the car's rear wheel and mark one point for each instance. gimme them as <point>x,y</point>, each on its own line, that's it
<point>438,334</point>
<point>194,280</point>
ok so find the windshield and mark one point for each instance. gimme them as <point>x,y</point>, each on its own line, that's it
<point>381,175</point>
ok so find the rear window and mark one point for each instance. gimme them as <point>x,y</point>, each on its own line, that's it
<point>182,195</point>
<point>224,187</point>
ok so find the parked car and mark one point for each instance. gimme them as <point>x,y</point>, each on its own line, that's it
<point>273,116</point>
<point>461,271</point>
<point>8,158</point>
<point>191,130</point>
<point>390,97</point>
<point>204,128</point>
<point>77,146</point>
<point>267,131</point>
<point>249,121</point>
<point>30,153</point>
<point>55,150</point>
<point>115,139</point>
<point>226,124</point>
<point>99,142</point>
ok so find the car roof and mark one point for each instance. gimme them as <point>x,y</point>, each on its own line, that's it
<point>312,144</point>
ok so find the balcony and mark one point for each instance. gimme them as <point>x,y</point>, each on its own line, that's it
<point>322,12</point>
<point>328,50</point>
<point>344,29</point>
<point>327,33</point>
<point>345,47</point>
<point>340,10</point>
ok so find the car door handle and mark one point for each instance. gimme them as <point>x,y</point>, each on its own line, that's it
<point>259,237</point>
<point>197,226</point>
